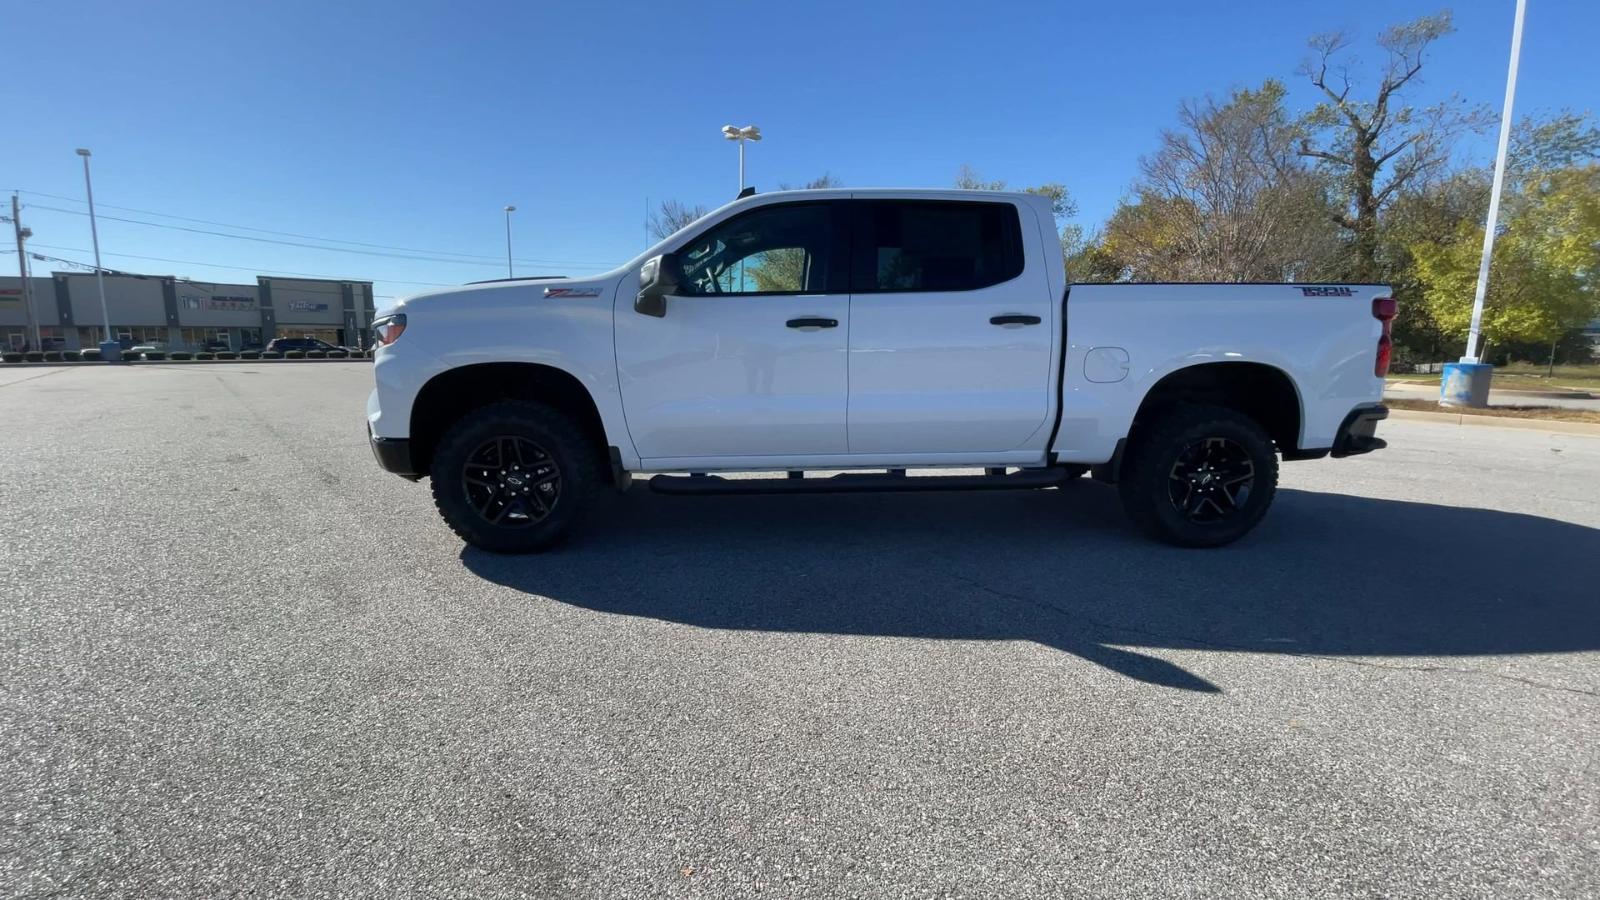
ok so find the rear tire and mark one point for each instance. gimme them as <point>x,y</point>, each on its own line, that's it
<point>1199,476</point>
<point>514,477</point>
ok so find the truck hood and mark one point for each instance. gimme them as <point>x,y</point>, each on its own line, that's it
<point>511,292</point>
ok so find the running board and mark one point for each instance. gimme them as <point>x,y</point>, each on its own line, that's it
<point>857,482</point>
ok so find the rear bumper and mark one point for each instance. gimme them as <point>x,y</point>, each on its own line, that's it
<point>393,454</point>
<point>1357,434</point>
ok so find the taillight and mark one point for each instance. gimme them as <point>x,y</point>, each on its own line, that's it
<point>388,329</point>
<point>1384,309</point>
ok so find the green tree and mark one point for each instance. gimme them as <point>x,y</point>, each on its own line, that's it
<point>1374,150</point>
<point>1428,217</point>
<point>1543,275</point>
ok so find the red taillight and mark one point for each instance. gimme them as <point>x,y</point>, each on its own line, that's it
<point>1384,309</point>
<point>388,329</point>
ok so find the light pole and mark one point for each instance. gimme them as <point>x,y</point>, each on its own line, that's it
<point>1466,383</point>
<point>107,342</point>
<point>509,211</point>
<point>747,133</point>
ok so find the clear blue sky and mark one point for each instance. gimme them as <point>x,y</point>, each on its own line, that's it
<point>412,125</point>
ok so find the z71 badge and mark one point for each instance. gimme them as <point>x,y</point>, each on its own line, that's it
<point>1324,292</point>
<point>572,292</point>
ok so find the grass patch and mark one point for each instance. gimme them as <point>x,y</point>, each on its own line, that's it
<point>1556,413</point>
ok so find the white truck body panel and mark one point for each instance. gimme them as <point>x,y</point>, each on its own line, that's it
<point>1325,344</point>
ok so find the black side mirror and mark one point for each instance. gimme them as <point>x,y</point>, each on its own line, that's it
<point>657,278</point>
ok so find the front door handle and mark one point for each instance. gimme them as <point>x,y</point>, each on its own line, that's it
<point>1015,320</point>
<point>812,322</point>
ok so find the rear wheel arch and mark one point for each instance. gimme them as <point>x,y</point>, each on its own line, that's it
<point>453,393</point>
<point>1261,391</point>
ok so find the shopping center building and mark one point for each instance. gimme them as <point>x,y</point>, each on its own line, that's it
<point>181,313</point>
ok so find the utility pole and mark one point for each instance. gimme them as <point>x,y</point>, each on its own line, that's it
<point>509,211</point>
<point>22,265</point>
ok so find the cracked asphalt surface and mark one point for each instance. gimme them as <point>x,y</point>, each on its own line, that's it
<point>235,657</point>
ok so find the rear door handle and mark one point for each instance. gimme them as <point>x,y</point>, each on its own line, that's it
<point>1015,320</point>
<point>812,322</point>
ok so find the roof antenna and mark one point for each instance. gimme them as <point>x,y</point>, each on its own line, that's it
<point>749,191</point>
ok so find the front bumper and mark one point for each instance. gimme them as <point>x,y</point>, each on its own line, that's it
<point>393,454</point>
<point>1357,433</point>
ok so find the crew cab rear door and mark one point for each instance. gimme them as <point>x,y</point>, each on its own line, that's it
<point>951,324</point>
<point>750,358</point>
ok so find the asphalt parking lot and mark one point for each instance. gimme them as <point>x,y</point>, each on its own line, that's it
<point>235,657</point>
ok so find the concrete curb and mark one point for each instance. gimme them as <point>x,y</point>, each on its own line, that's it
<point>1548,425</point>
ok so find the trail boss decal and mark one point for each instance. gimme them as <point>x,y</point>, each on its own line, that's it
<point>572,292</point>
<point>1327,292</point>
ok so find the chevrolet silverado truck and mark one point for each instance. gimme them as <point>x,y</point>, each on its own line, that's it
<point>867,333</point>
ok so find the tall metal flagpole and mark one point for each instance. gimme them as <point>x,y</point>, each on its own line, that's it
<point>1494,197</point>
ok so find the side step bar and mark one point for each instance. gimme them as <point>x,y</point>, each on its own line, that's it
<point>856,482</point>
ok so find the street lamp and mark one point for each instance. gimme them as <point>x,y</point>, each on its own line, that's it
<point>747,133</point>
<point>107,342</point>
<point>509,211</point>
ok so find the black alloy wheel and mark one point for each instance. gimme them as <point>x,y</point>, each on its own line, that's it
<point>511,481</point>
<point>1211,480</point>
<point>1198,475</point>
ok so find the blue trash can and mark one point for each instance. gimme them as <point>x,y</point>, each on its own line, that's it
<point>1465,384</point>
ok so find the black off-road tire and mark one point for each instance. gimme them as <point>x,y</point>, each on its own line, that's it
<point>579,466</point>
<point>1165,452</point>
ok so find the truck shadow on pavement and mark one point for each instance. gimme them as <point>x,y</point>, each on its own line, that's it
<point>1325,574</point>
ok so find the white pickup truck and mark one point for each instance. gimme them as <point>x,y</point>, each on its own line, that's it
<point>870,332</point>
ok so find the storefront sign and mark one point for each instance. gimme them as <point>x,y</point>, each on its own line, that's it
<point>220,301</point>
<point>307,306</point>
<point>11,296</point>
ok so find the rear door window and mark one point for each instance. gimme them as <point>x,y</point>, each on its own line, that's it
<point>934,245</point>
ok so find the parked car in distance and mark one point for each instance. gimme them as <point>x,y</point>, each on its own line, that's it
<point>148,347</point>
<point>282,345</point>
<point>871,330</point>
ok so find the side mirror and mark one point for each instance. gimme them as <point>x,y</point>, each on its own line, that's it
<point>657,278</point>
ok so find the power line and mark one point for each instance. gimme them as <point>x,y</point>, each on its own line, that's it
<point>262,240</point>
<point>215,284</point>
<point>469,258</point>
<point>191,262</point>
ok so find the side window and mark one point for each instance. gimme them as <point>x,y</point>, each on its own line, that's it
<point>781,249</point>
<point>911,245</point>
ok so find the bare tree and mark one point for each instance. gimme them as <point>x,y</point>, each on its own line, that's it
<point>1377,148</point>
<point>824,181</point>
<point>672,215</point>
<point>1227,198</point>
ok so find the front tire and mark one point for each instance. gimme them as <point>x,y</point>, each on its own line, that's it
<point>514,477</point>
<point>1199,476</point>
